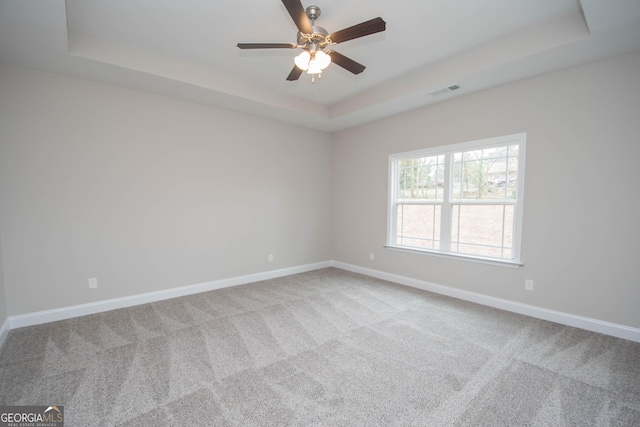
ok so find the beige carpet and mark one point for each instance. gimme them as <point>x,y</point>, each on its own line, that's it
<point>325,348</point>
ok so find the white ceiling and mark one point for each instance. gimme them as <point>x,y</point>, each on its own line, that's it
<point>187,49</point>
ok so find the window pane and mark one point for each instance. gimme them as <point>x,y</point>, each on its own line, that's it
<point>486,174</point>
<point>485,230</point>
<point>421,178</point>
<point>419,226</point>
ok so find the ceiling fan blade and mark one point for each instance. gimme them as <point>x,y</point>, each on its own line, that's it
<point>267,46</point>
<point>299,16</point>
<point>372,26</point>
<point>294,74</point>
<point>346,63</point>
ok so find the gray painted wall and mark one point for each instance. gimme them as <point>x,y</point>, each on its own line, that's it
<point>146,193</point>
<point>581,234</point>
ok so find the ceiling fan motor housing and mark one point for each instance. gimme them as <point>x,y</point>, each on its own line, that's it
<point>318,37</point>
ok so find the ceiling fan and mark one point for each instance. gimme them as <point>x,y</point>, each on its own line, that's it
<point>316,42</point>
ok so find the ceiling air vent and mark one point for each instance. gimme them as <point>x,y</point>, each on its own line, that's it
<point>444,90</point>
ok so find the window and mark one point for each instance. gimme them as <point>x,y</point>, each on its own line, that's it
<point>462,200</point>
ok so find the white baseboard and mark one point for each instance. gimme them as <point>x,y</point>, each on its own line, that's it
<point>29,319</point>
<point>4,330</point>
<point>594,325</point>
<point>53,315</point>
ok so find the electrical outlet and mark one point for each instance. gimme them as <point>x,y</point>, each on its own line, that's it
<point>371,256</point>
<point>93,283</point>
<point>528,285</point>
<point>270,257</point>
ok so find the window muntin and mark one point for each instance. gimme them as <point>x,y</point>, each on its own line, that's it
<point>486,174</point>
<point>419,225</point>
<point>464,199</point>
<point>420,195</point>
<point>421,178</point>
<point>485,230</point>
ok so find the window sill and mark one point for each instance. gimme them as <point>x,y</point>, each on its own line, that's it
<point>481,260</point>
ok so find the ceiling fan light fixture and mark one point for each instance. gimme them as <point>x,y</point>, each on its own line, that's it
<point>319,61</point>
<point>312,62</point>
<point>314,67</point>
<point>323,59</point>
<point>302,60</point>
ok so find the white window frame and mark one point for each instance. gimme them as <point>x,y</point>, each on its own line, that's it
<point>447,203</point>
